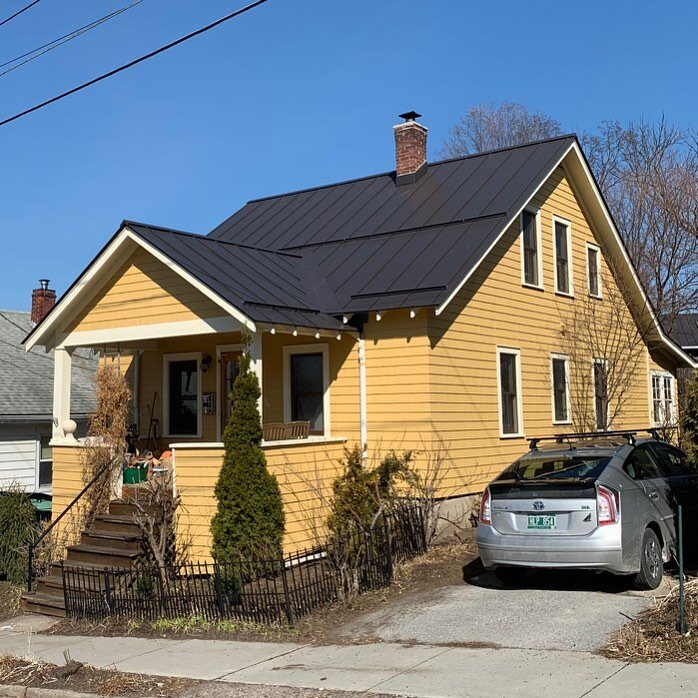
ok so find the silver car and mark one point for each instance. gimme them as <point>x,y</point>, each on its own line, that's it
<point>600,502</point>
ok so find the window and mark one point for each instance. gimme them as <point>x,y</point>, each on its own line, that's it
<point>45,463</point>
<point>530,249</point>
<point>672,461</point>
<point>601,394</point>
<point>593,270</point>
<point>182,394</point>
<point>306,386</point>
<point>642,464</point>
<point>563,255</point>
<point>662,399</point>
<point>509,375</point>
<point>561,392</point>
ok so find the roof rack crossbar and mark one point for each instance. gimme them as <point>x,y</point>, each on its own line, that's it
<point>628,434</point>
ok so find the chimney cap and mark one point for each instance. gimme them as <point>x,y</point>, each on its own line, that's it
<point>44,284</point>
<point>409,116</point>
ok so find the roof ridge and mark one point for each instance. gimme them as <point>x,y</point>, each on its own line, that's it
<point>429,164</point>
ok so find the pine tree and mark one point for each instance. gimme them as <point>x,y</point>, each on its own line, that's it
<point>249,520</point>
<point>689,420</point>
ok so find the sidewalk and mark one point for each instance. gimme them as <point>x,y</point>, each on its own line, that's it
<point>413,670</point>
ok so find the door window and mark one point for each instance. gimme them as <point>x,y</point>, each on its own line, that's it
<point>671,460</point>
<point>642,464</point>
<point>183,376</point>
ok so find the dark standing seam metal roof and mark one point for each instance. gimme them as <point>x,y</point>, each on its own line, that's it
<point>685,332</point>
<point>308,257</point>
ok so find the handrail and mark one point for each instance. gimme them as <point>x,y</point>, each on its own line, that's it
<point>32,546</point>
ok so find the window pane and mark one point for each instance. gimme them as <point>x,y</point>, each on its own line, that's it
<point>593,259</point>
<point>530,248</point>
<point>560,389</point>
<point>45,473</point>
<point>601,395</point>
<point>183,399</point>
<point>668,400</point>
<point>656,399</point>
<point>307,384</point>
<point>509,397</point>
<point>561,260</point>
<point>46,450</point>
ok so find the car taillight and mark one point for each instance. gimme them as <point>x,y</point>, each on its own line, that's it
<point>486,507</point>
<point>606,506</point>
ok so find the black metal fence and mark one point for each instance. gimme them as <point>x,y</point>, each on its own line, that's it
<point>261,590</point>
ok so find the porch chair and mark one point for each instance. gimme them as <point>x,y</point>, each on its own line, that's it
<point>274,431</point>
<point>297,430</point>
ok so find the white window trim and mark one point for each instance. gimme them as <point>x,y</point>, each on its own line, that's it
<point>662,375</point>
<point>166,360</point>
<point>539,243</point>
<point>519,393</point>
<point>593,246</point>
<point>221,349</point>
<point>291,350</point>
<point>570,261</point>
<point>566,359</point>
<point>593,391</point>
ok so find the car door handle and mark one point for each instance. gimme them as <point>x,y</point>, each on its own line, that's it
<point>653,495</point>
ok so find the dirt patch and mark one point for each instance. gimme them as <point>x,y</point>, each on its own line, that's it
<point>653,637</point>
<point>10,600</point>
<point>442,566</point>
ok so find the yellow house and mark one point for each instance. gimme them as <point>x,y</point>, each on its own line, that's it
<point>456,308</point>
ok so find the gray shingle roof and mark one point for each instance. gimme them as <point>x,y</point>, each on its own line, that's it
<point>26,378</point>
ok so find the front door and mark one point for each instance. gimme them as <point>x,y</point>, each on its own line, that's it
<point>229,369</point>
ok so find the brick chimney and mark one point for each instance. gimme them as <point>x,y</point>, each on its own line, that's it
<point>43,299</point>
<point>410,149</point>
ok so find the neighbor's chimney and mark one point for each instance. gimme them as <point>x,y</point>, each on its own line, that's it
<point>43,299</point>
<point>410,149</point>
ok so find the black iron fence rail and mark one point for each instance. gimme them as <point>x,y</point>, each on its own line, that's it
<point>261,590</point>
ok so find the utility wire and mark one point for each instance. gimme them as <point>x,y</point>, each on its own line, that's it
<point>41,50</point>
<point>19,12</point>
<point>130,64</point>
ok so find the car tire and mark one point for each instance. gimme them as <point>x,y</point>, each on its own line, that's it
<point>651,563</point>
<point>510,576</point>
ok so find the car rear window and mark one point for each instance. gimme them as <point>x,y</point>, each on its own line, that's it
<point>556,466</point>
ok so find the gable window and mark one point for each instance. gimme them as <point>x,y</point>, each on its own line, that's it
<point>561,391</point>
<point>530,249</point>
<point>563,257</point>
<point>182,394</point>
<point>306,386</point>
<point>662,399</point>
<point>509,378</point>
<point>601,394</point>
<point>593,270</point>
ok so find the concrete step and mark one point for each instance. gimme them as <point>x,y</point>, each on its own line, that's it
<point>36,602</point>
<point>101,555</point>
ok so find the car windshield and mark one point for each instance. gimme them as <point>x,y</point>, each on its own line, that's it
<point>556,466</point>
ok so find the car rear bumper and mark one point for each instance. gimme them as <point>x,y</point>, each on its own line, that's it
<point>599,550</point>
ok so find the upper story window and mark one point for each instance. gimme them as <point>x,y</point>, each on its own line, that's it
<point>662,398</point>
<point>563,256</point>
<point>306,386</point>
<point>531,267</point>
<point>594,270</point>
<point>509,378</point>
<point>182,394</point>
<point>561,389</point>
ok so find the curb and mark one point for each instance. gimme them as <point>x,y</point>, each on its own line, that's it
<point>12,691</point>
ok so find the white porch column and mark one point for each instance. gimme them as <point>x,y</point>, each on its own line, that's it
<point>256,366</point>
<point>62,364</point>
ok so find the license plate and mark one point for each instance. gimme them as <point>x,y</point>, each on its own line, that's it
<point>541,521</point>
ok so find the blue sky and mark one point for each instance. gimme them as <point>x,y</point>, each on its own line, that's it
<point>294,94</point>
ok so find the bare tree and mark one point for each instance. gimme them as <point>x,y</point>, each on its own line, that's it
<point>491,126</point>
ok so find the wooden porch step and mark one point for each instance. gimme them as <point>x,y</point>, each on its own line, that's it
<point>116,523</point>
<point>51,585</point>
<point>121,507</point>
<point>36,602</point>
<point>101,555</point>
<point>111,539</point>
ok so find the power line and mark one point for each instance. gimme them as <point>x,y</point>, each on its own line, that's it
<point>41,50</point>
<point>19,12</point>
<point>130,64</point>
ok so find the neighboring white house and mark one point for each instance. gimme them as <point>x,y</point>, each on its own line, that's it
<point>26,398</point>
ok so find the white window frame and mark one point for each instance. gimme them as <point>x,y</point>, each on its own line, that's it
<point>515,351</point>
<point>605,363</point>
<point>539,244</point>
<point>290,350</point>
<point>570,261</point>
<point>167,359</point>
<point>221,349</point>
<point>662,376</point>
<point>566,359</point>
<point>597,250</point>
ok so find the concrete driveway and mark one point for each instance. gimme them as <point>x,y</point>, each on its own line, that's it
<point>553,610</point>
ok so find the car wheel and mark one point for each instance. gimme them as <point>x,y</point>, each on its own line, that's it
<point>510,576</point>
<point>651,564</point>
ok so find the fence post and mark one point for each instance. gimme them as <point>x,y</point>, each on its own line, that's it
<point>107,591</point>
<point>287,596</point>
<point>389,548</point>
<point>65,590</point>
<point>30,566</point>
<point>217,582</point>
